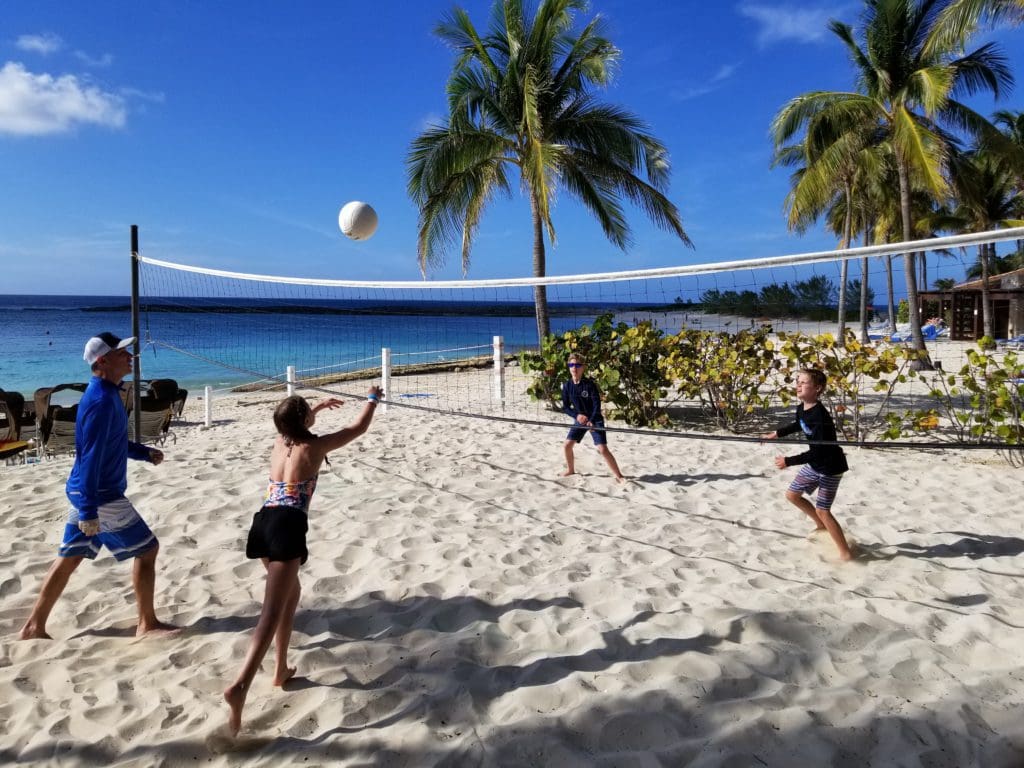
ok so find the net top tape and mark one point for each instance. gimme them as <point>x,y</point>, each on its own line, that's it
<point>889,249</point>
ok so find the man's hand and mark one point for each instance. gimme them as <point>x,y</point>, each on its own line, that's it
<point>780,462</point>
<point>155,456</point>
<point>89,527</point>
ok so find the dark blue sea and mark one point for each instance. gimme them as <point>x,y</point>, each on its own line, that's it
<point>224,342</point>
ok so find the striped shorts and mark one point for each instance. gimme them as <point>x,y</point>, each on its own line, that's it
<point>122,531</point>
<point>808,478</point>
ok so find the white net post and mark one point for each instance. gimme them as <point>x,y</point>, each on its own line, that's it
<point>208,405</point>
<point>385,375</point>
<point>290,375</point>
<point>499,370</point>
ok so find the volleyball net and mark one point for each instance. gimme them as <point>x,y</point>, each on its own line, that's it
<point>706,350</point>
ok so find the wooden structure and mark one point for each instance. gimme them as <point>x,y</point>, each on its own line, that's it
<point>961,306</point>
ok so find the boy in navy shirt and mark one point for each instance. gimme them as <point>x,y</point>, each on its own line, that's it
<point>823,463</point>
<point>582,401</point>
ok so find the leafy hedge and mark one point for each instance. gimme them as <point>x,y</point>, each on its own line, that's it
<point>737,377</point>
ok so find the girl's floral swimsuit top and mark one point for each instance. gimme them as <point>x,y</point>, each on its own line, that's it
<point>297,495</point>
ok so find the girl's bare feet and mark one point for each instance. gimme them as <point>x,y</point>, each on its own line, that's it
<point>156,629</point>
<point>281,679</point>
<point>234,695</point>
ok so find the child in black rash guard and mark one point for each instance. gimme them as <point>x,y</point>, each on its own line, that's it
<point>823,465</point>
<point>582,401</point>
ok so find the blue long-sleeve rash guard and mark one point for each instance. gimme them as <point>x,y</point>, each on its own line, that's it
<point>582,398</point>
<point>102,450</point>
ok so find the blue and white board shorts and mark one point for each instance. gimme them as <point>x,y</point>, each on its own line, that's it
<point>122,531</point>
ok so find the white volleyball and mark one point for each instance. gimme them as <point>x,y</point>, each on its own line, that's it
<point>357,220</point>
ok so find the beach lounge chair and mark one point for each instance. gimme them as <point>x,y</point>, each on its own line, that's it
<point>168,389</point>
<point>155,415</point>
<point>1016,343</point>
<point>11,444</point>
<point>55,424</point>
<point>929,332</point>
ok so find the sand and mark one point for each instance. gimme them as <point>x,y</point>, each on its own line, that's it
<point>464,605</point>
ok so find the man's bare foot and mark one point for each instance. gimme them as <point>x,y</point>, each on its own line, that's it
<point>289,673</point>
<point>234,695</point>
<point>31,632</point>
<point>568,472</point>
<point>156,629</point>
<point>850,554</point>
<point>620,480</point>
<point>815,531</point>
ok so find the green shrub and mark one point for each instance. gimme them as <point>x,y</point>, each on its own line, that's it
<point>726,373</point>
<point>622,361</point>
<point>853,370</point>
<point>903,312</point>
<point>983,402</point>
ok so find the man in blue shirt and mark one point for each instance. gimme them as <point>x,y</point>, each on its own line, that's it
<point>101,515</point>
<point>581,400</point>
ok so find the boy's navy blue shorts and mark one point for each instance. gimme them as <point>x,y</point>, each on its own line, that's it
<point>600,436</point>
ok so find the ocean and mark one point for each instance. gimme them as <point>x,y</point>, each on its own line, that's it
<point>226,342</point>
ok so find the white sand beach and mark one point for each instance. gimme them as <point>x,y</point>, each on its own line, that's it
<point>463,605</point>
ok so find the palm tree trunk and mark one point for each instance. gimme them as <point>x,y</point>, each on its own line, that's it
<point>864,289</point>
<point>844,268</point>
<point>986,299</point>
<point>540,292</point>
<point>891,288</point>
<point>909,262</point>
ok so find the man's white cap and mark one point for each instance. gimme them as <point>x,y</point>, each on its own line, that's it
<point>102,343</point>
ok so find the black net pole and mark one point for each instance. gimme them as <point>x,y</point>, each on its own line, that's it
<point>136,364</point>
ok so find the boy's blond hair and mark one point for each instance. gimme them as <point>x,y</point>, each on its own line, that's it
<point>817,377</point>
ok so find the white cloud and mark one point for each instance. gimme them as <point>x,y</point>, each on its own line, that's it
<point>33,105</point>
<point>156,97</point>
<point>685,94</point>
<point>93,61</point>
<point>45,44</point>
<point>779,23</point>
<point>724,72</point>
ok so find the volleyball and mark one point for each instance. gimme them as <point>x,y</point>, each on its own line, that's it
<point>357,220</point>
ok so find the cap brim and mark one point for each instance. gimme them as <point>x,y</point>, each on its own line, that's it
<point>126,342</point>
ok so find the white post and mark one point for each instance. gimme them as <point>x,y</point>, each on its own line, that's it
<point>499,370</point>
<point>208,397</point>
<point>385,375</point>
<point>290,375</point>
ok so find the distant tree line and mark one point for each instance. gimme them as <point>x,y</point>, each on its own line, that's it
<point>814,299</point>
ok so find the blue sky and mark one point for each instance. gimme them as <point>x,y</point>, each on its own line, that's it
<point>232,133</point>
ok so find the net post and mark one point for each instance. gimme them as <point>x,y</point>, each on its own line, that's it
<point>208,404</point>
<point>290,376</point>
<point>499,370</point>
<point>385,375</point>
<point>136,348</point>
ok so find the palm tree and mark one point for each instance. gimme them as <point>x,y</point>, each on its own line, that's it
<point>523,97</point>
<point>908,72</point>
<point>987,200</point>
<point>1011,124</point>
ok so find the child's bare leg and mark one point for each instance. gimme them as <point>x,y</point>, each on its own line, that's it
<point>281,578</point>
<point>801,503</point>
<point>282,637</point>
<point>570,459</point>
<point>836,532</point>
<point>613,465</point>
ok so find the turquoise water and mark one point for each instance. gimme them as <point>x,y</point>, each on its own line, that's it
<point>226,342</point>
